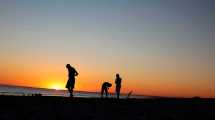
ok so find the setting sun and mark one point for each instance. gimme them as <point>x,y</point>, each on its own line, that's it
<point>57,86</point>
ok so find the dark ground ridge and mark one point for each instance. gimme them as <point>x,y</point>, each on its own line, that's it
<point>65,108</point>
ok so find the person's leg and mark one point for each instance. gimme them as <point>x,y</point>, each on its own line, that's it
<point>117,95</point>
<point>102,92</point>
<point>70,91</point>
<point>71,88</point>
<point>118,92</point>
<point>106,92</point>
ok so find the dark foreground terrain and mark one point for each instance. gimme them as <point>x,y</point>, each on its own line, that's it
<point>60,108</point>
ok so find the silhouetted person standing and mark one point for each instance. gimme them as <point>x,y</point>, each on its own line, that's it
<point>105,87</point>
<point>71,81</point>
<point>118,81</point>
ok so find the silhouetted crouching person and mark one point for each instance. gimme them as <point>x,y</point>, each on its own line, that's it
<point>71,81</point>
<point>105,87</point>
<point>118,81</point>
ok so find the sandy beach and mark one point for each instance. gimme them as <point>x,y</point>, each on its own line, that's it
<point>62,108</point>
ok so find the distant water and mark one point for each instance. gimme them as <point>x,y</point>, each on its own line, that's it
<point>28,91</point>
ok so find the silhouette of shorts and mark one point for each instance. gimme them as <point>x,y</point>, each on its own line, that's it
<point>70,83</point>
<point>118,87</point>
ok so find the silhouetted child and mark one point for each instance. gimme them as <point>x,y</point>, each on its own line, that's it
<point>105,87</point>
<point>118,81</point>
<point>71,81</point>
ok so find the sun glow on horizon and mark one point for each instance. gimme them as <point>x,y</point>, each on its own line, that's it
<point>57,86</point>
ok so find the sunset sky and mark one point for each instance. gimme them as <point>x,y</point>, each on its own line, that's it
<point>159,47</point>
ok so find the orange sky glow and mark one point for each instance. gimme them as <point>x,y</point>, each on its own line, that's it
<point>158,48</point>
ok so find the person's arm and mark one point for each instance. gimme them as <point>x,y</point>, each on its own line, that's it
<point>76,73</point>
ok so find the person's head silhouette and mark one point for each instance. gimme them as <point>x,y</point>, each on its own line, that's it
<point>68,66</point>
<point>117,75</point>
